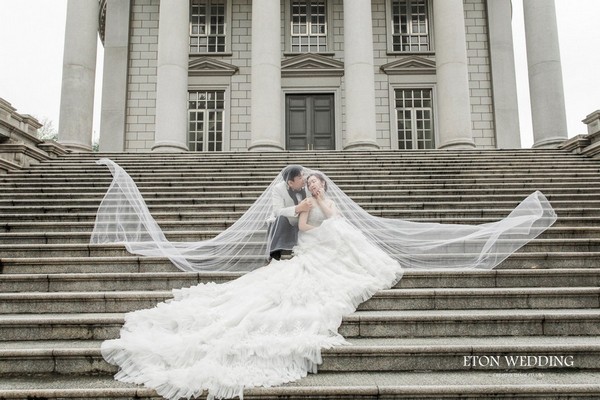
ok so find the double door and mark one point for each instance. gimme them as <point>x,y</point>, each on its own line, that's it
<point>310,123</point>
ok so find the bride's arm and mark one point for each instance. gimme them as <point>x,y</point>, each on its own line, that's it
<point>303,224</point>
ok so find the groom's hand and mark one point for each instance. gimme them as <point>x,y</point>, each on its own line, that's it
<point>305,205</point>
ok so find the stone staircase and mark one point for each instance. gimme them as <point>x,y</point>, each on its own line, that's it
<point>436,335</point>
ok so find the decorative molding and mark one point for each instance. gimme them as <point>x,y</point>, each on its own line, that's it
<point>206,66</point>
<point>311,64</point>
<point>410,65</point>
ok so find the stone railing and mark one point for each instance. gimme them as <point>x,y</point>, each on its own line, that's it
<point>589,144</point>
<point>19,145</point>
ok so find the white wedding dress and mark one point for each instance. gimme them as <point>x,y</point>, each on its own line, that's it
<point>266,328</point>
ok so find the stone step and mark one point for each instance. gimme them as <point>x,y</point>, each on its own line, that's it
<point>163,281</point>
<point>517,181</point>
<point>41,237</point>
<point>366,355</point>
<point>423,194</point>
<point>53,201</point>
<point>361,324</point>
<point>220,218</point>
<point>132,264</point>
<point>235,178</point>
<point>586,245</point>
<point>547,385</point>
<point>202,205</point>
<point>392,299</point>
<point>338,174</point>
<point>375,190</point>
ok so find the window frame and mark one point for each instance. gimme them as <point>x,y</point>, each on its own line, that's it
<point>394,113</point>
<point>225,131</point>
<point>287,27</point>
<point>390,31</point>
<point>227,31</point>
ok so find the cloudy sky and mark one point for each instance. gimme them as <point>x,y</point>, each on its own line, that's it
<point>32,40</point>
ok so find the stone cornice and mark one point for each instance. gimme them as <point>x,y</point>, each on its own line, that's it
<point>410,65</point>
<point>205,66</point>
<point>311,64</point>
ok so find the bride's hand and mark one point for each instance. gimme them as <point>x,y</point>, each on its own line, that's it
<point>319,194</point>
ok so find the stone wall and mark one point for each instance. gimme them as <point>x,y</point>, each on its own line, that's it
<point>141,102</point>
<point>480,80</point>
<point>141,86</point>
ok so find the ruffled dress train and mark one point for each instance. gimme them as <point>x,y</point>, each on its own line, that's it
<point>265,328</point>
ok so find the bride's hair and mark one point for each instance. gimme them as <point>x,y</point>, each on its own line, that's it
<point>123,217</point>
<point>319,176</point>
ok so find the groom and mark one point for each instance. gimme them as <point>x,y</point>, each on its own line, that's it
<point>289,200</point>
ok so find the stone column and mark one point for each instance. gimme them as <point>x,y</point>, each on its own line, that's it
<point>114,81</point>
<point>172,77</point>
<point>453,98</point>
<point>79,73</point>
<point>545,74</point>
<point>504,81</point>
<point>359,79</point>
<point>266,101</point>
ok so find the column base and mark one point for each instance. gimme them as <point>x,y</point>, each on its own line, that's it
<point>266,145</point>
<point>170,147</point>
<point>362,145</point>
<point>550,143</point>
<point>76,147</point>
<point>459,144</point>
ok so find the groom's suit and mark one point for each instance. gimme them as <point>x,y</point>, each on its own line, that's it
<point>283,230</point>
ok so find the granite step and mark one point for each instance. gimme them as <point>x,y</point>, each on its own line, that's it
<point>148,178</point>
<point>40,237</point>
<point>361,324</point>
<point>202,205</point>
<point>423,194</point>
<point>53,202</point>
<point>547,385</point>
<point>163,281</point>
<point>343,175</point>
<point>586,245</point>
<point>366,355</point>
<point>131,264</point>
<point>375,190</point>
<point>219,217</point>
<point>385,300</point>
<point>222,224</point>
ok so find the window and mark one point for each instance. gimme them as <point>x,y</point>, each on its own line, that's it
<point>414,114</point>
<point>205,109</point>
<point>410,26</point>
<point>207,26</point>
<point>308,27</point>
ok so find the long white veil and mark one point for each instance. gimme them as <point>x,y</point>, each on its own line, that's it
<point>123,217</point>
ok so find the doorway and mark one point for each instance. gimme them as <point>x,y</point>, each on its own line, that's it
<point>310,122</point>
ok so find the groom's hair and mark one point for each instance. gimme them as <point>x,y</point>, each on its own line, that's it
<point>290,172</point>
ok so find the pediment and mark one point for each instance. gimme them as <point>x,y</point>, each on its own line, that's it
<point>311,64</point>
<point>410,65</point>
<point>206,66</point>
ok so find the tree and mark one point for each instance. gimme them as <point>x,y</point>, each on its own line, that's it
<point>48,130</point>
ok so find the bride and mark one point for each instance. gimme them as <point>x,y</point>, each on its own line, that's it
<point>269,326</point>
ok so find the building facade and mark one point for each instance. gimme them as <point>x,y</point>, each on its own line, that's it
<point>269,75</point>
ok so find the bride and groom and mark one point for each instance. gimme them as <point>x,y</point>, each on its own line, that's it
<point>268,327</point>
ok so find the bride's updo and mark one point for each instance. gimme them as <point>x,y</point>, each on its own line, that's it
<point>320,177</point>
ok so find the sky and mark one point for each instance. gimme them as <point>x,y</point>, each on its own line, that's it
<point>32,42</point>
